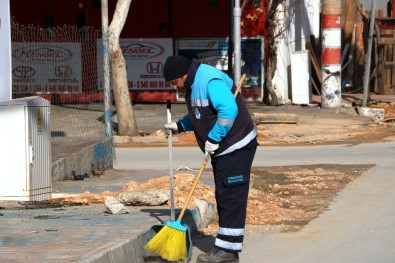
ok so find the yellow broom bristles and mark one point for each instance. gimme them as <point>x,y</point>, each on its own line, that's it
<point>169,243</point>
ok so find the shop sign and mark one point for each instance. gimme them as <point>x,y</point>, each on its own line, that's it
<point>144,59</point>
<point>39,67</point>
<point>214,51</point>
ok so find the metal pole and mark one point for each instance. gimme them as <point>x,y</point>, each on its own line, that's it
<point>171,176</point>
<point>106,68</point>
<point>230,42</point>
<point>237,48</point>
<point>366,75</point>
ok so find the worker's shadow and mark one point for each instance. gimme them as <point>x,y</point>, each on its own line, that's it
<point>204,243</point>
<point>189,219</point>
<point>161,214</point>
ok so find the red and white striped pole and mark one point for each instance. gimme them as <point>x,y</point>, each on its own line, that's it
<point>331,54</point>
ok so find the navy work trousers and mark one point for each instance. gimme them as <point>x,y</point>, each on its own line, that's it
<point>232,179</point>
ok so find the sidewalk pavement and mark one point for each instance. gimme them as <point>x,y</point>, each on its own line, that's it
<point>30,232</point>
<point>37,233</point>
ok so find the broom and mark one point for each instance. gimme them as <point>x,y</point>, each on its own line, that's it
<point>170,241</point>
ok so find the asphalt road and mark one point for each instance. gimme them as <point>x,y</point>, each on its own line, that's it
<point>359,225</point>
<point>141,158</point>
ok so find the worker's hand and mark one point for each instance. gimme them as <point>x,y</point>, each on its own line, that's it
<point>210,148</point>
<point>171,127</point>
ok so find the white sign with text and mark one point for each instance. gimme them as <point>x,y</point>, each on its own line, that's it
<point>40,67</point>
<point>144,59</point>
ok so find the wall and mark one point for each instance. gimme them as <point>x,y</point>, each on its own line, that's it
<point>146,18</point>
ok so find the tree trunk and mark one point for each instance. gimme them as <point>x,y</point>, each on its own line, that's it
<point>126,120</point>
<point>127,125</point>
<point>275,25</point>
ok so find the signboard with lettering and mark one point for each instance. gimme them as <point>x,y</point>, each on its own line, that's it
<point>214,51</point>
<point>39,67</point>
<point>144,59</point>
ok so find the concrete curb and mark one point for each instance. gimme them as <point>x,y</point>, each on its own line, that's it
<point>132,250</point>
<point>82,161</point>
<point>124,250</point>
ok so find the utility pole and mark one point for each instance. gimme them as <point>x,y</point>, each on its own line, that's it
<point>366,75</point>
<point>231,40</point>
<point>331,54</point>
<point>237,42</point>
<point>106,67</point>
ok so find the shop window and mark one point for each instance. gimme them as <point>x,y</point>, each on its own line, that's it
<point>81,22</point>
<point>213,3</point>
<point>48,19</point>
<point>96,4</point>
<point>81,19</point>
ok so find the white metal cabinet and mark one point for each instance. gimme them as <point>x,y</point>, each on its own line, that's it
<point>25,150</point>
<point>300,71</point>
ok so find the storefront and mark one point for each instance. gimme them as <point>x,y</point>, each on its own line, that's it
<point>153,30</point>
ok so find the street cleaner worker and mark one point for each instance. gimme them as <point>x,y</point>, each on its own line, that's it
<point>224,129</point>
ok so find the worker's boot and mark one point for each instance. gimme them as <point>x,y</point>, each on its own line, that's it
<point>218,256</point>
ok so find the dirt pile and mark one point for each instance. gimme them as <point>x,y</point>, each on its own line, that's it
<point>389,110</point>
<point>288,196</point>
<point>182,185</point>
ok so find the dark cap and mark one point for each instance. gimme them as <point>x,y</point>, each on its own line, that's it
<point>175,67</point>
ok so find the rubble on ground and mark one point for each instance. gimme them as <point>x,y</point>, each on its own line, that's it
<point>288,196</point>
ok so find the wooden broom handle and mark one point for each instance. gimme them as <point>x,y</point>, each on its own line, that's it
<point>194,186</point>
<point>243,77</point>
<point>206,160</point>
